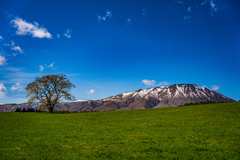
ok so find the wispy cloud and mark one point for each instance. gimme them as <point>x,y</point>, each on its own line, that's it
<point>90,91</point>
<point>11,69</point>
<point>213,8</point>
<point>17,48</point>
<point>129,21</point>
<point>1,38</point>
<point>14,47</point>
<point>149,83</point>
<point>179,2</point>
<point>108,15</point>
<point>95,85</point>
<point>68,33</point>
<point>33,29</point>
<point>2,60</point>
<point>215,87</point>
<point>17,87</point>
<point>2,88</point>
<point>203,3</point>
<point>51,65</point>
<point>202,8</point>
<point>144,12</point>
<point>9,44</point>
<point>41,68</point>
<point>14,100</point>
<point>164,83</point>
<point>16,75</point>
<point>189,10</point>
<point>58,35</point>
<point>187,18</point>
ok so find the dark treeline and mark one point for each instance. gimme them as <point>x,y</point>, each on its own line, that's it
<point>203,102</point>
<point>26,110</point>
<point>54,111</point>
<point>82,111</point>
<point>67,111</point>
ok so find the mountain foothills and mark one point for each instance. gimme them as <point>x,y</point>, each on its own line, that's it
<point>159,97</point>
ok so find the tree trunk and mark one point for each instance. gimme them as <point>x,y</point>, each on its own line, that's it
<point>50,109</point>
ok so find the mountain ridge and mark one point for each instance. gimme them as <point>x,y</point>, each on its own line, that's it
<point>158,97</point>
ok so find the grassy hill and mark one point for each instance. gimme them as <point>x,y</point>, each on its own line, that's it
<point>190,132</point>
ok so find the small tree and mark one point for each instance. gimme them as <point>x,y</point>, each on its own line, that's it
<point>24,110</point>
<point>18,110</point>
<point>48,90</point>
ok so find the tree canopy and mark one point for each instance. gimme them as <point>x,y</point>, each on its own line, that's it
<point>49,90</point>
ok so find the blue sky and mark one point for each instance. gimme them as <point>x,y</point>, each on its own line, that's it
<point>107,47</point>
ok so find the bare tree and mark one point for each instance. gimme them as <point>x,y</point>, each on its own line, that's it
<point>48,90</point>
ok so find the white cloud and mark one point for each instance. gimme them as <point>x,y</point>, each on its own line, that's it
<point>68,33</point>
<point>1,37</point>
<point>14,54</point>
<point>104,18</point>
<point>26,28</point>
<point>90,91</point>
<point>149,82</point>
<point>17,87</point>
<point>215,87</point>
<point>41,68</point>
<point>2,60</point>
<point>164,83</point>
<point>17,48</point>
<point>2,88</point>
<point>51,65</point>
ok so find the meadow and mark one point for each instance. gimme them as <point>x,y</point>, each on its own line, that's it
<point>210,131</point>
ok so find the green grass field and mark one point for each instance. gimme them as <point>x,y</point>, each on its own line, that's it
<point>190,132</point>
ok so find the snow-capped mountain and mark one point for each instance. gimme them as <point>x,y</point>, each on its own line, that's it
<point>174,95</point>
<point>159,97</point>
<point>176,91</point>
